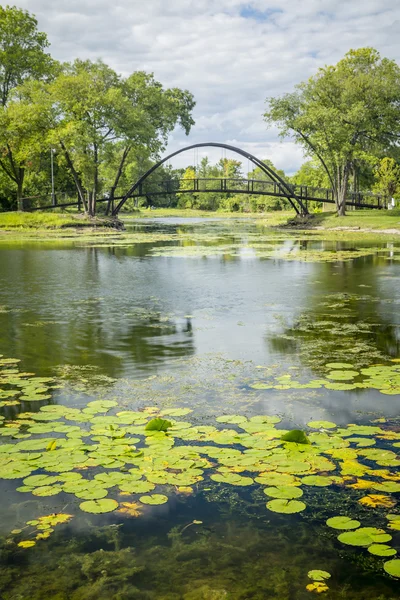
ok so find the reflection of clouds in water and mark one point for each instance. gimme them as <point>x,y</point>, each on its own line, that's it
<point>343,408</point>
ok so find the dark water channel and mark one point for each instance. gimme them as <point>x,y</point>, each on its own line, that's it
<point>194,316</point>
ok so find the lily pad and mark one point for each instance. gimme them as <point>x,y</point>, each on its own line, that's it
<point>343,523</point>
<point>104,505</point>
<point>322,424</point>
<point>381,550</point>
<point>317,575</point>
<point>284,491</point>
<point>365,536</point>
<point>154,499</point>
<point>392,567</point>
<point>287,507</point>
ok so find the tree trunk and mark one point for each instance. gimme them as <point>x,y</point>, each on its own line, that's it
<point>75,175</point>
<point>20,188</point>
<point>110,202</point>
<point>341,188</point>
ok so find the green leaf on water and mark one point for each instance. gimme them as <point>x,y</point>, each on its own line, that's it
<point>99,506</point>
<point>297,436</point>
<point>317,575</point>
<point>392,567</point>
<point>381,550</point>
<point>322,424</point>
<point>158,424</point>
<point>286,506</point>
<point>365,536</point>
<point>287,492</point>
<point>154,499</point>
<point>343,523</point>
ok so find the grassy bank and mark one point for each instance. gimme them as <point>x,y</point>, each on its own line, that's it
<point>362,220</point>
<point>12,221</point>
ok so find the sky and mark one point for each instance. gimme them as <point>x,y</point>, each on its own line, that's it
<point>232,55</point>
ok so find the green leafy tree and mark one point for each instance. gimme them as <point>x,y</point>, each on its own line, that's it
<point>387,178</point>
<point>343,113</point>
<point>103,119</point>
<point>24,124</point>
<point>311,173</point>
<point>23,56</point>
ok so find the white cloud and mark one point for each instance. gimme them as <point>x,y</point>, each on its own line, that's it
<point>230,62</point>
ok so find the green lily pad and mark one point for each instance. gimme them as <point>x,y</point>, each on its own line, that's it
<point>365,536</point>
<point>287,507</point>
<point>232,479</point>
<point>322,424</point>
<point>154,499</point>
<point>94,493</point>
<point>316,480</point>
<point>317,575</point>
<point>343,523</point>
<point>339,365</point>
<point>284,491</point>
<point>342,375</point>
<point>231,419</point>
<point>99,506</point>
<point>381,550</point>
<point>392,567</point>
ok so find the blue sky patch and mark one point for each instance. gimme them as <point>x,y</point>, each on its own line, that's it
<point>249,12</point>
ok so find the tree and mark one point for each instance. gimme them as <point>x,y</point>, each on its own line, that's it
<point>24,124</point>
<point>22,57</point>
<point>311,173</point>
<point>387,178</point>
<point>102,118</point>
<point>343,113</point>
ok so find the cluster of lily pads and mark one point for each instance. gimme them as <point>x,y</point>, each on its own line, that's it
<point>342,377</point>
<point>149,454</point>
<point>16,386</point>
<point>263,250</point>
<point>41,528</point>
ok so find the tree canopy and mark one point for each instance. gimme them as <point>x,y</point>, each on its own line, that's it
<point>343,114</point>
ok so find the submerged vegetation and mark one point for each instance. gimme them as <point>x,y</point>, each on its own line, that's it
<point>124,461</point>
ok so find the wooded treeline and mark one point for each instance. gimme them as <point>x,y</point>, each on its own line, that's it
<point>98,131</point>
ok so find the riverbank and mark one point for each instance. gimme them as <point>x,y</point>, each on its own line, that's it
<point>368,221</point>
<point>44,221</point>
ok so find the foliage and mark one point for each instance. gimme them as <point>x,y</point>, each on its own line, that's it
<point>387,178</point>
<point>343,114</point>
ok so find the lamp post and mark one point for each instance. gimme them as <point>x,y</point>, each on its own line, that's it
<point>53,196</point>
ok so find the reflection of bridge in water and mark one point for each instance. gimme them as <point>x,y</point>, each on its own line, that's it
<point>297,195</point>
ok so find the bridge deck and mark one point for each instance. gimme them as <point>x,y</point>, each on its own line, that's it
<point>255,187</point>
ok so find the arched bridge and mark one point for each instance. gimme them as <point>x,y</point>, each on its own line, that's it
<point>282,188</point>
<point>274,185</point>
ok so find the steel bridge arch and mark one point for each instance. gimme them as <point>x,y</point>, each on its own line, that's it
<point>294,200</point>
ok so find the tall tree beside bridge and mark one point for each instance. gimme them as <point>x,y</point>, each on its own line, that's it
<point>343,113</point>
<point>23,56</point>
<point>101,117</point>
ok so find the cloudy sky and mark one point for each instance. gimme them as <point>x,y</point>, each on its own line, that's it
<point>230,54</point>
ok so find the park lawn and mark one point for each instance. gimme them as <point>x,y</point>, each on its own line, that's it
<point>365,220</point>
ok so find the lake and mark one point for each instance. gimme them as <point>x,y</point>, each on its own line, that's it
<point>146,382</point>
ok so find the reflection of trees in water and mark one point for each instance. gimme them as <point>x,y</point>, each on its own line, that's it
<point>345,319</point>
<point>156,341</point>
<point>78,316</point>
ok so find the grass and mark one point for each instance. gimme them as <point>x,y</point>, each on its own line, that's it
<point>365,220</point>
<point>22,221</point>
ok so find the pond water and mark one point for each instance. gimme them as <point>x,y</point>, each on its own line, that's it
<point>233,335</point>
